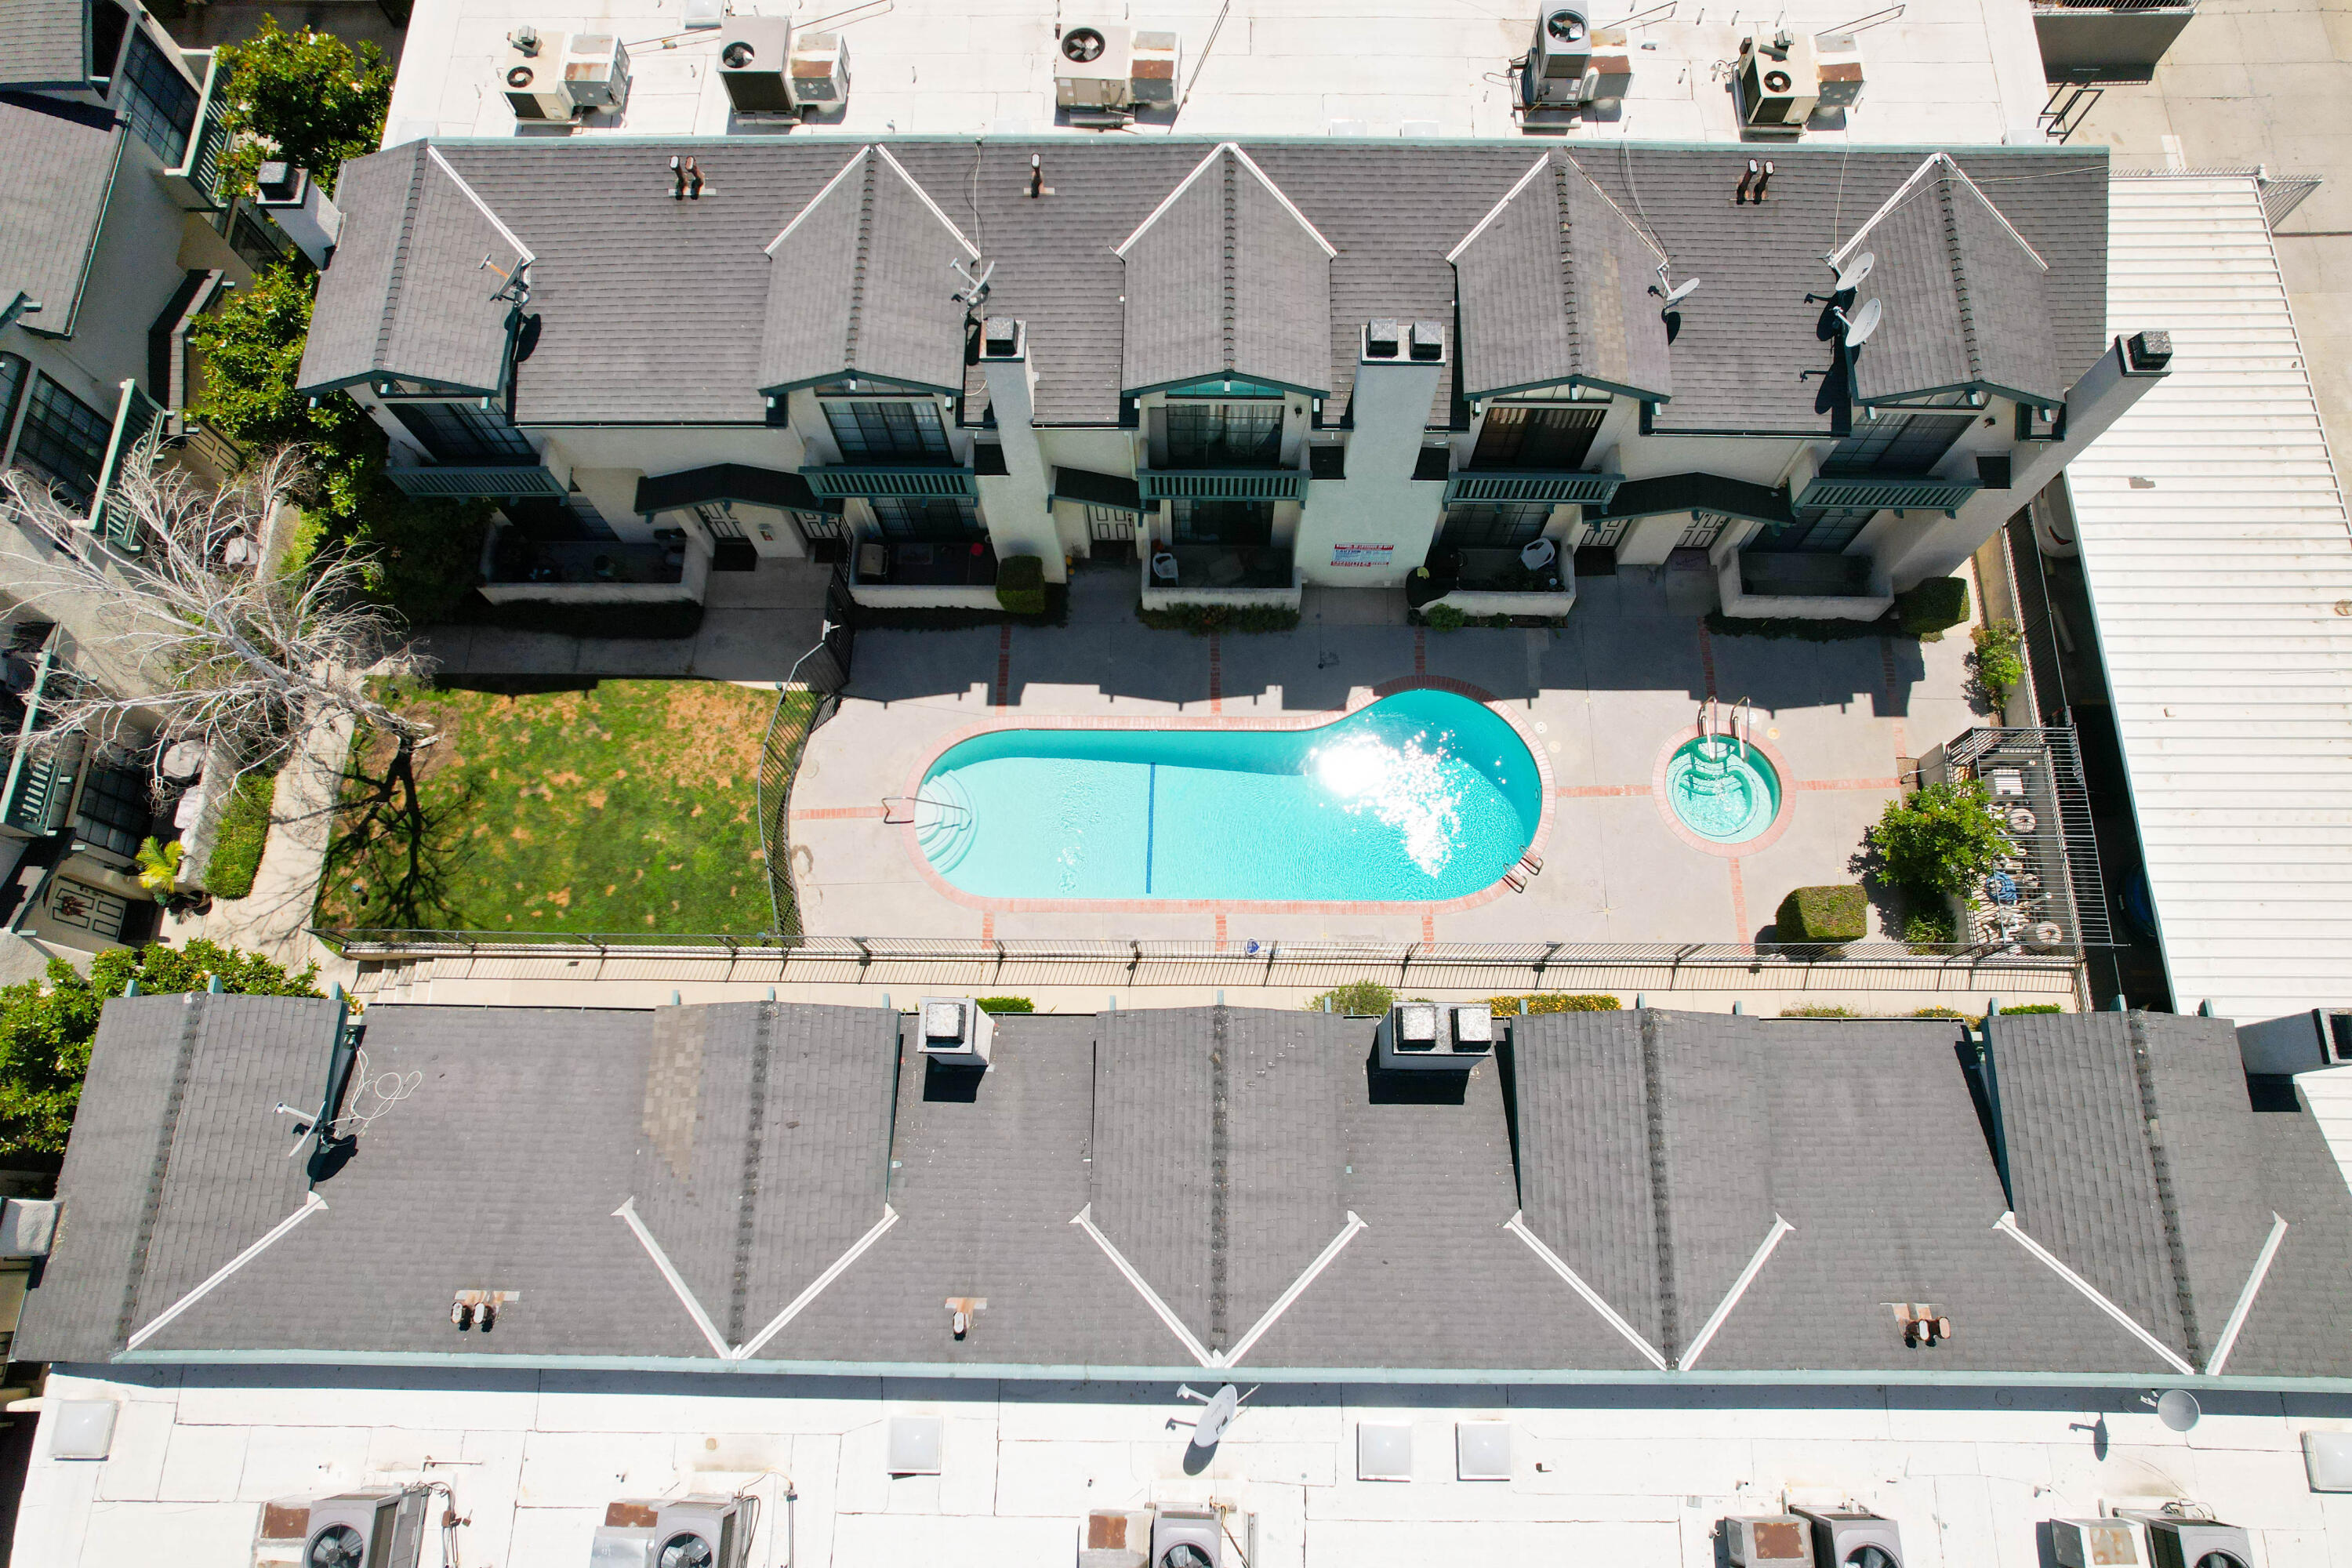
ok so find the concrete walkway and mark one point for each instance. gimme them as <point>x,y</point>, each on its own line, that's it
<point>754,625</point>
<point>274,920</point>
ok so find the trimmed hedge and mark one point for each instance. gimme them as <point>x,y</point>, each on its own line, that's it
<point>1834,913</point>
<point>1781,627</point>
<point>244,830</point>
<point>1936,606</point>
<point>1550,1002</point>
<point>1202,619</point>
<point>655,618</point>
<point>1021,584</point>
<point>1356,999</point>
<point>1006,1004</point>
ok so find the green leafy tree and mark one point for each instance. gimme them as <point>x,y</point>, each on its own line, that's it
<point>307,98</point>
<point>46,1026</point>
<point>1941,840</point>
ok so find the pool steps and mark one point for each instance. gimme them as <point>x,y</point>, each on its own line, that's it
<point>944,823</point>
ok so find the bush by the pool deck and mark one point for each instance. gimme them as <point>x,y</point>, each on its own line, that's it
<point>1021,584</point>
<point>1941,840</point>
<point>1936,606</point>
<point>1550,1002</point>
<point>1006,1004</point>
<point>1998,660</point>
<point>1202,619</point>
<point>1358,999</point>
<point>1838,912</point>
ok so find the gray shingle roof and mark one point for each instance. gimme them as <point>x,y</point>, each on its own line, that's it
<point>428,251</point>
<point>1221,1151</point>
<point>1965,299</point>
<point>1555,287</point>
<point>53,185</point>
<point>655,304</point>
<point>43,43</point>
<point>1226,279</point>
<point>860,284</point>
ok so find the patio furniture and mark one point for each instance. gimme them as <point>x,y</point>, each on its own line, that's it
<point>873,561</point>
<point>1539,554</point>
<point>1163,566</point>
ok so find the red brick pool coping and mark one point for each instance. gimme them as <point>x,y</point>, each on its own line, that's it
<point>1789,787</point>
<point>1314,721</point>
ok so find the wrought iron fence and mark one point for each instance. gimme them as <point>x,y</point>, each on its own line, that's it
<point>800,709</point>
<point>2035,777</point>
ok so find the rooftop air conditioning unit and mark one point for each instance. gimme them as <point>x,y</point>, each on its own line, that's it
<point>530,74</point>
<point>372,1529</point>
<point>696,1533</point>
<point>596,71</point>
<point>1772,1540</point>
<point>1153,65</point>
<point>1837,61</point>
<point>1093,65</point>
<point>2299,1042</point>
<point>1854,1539</point>
<point>2175,1540</point>
<point>820,72</point>
<point>1187,1538</point>
<point>955,1032</point>
<point>1574,65</point>
<point>1429,1037</point>
<point>755,57</point>
<point>2096,1544</point>
<point>1780,83</point>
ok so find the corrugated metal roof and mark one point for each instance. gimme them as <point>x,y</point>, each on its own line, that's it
<point>2215,540</point>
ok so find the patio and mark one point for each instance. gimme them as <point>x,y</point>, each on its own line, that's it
<point>1604,696</point>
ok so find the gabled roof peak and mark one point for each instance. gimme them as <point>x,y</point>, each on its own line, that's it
<point>1225,149</point>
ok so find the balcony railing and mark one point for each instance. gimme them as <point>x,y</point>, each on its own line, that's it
<point>135,418</point>
<point>574,561</point>
<point>499,483</point>
<point>835,479</point>
<point>195,183</point>
<point>1829,494</point>
<point>39,781</point>
<point>1225,567</point>
<point>1588,489</point>
<point>1223,484</point>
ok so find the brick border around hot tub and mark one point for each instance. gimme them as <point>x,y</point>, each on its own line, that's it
<point>1682,830</point>
<point>1358,699</point>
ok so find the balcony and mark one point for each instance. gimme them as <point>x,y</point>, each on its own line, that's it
<point>1222,484</point>
<point>135,419</point>
<point>195,183</point>
<point>1497,582</point>
<point>832,480</point>
<point>590,572</point>
<point>1839,493</point>
<point>1506,485</point>
<point>943,575</point>
<point>1236,575</point>
<point>1763,584</point>
<point>507,482</point>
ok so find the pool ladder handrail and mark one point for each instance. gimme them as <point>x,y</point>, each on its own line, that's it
<point>891,821</point>
<point>1743,737</point>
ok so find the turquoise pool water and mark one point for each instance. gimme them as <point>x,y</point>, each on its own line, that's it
<point>1723,791</point>
<point>1422,795</point>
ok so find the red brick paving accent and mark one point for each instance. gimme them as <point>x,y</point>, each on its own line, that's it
<point>839,813</point>
<point>1707,654</point>
<point>1221,932</point>
<point>988,923</point>
<point>1428,926</point>
<point>1675,823</point>
<point>1003,667</point>
<point>1591,792</point>
<point>1739,927</point>
<point>1420,651</point>
<point>1216,674</point>
<point>1356,699</point>
<point>1846,784</point>
<point>1893,694</point>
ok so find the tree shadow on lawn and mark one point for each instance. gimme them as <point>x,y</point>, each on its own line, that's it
<point>388,858</point>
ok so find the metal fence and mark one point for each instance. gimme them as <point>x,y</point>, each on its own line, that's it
<point>2035,777</point>
<point>800,710</point>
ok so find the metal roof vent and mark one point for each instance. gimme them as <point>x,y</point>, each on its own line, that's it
<point>955,1032</point>
<point>1428,1037</point>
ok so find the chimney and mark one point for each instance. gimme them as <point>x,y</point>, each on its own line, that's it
<point>1397,377</point>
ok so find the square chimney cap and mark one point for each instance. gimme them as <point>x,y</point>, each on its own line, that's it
<point>1417,1024</point>
<point>1429,340</point>
<point>278,182</point>
<point>1383,337</point>
<point>1474,1026</point>
<point>2149,350</point>
<point>1001,337</point>
<point>943,1020</point>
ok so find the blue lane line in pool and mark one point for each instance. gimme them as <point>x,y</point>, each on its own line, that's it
<point>1150,822</point>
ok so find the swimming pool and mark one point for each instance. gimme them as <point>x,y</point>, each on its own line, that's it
<point>1424,796</point>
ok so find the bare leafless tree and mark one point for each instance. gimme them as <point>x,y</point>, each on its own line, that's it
<point>192,637</point>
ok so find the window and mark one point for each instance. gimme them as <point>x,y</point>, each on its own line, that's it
<point>1516,437</point>
<point>108,23</point>
<point>252,242</point>
<point>12,369</point>
<point>1827,535</point>
<point>64,440</point>
<point>1478,526</point>
<point>1897,443</point>
<point>159,102</point>
<point>1237,523</point>
<point>877,430</point>
<point>926,521</point>
<point>1224,434</point>
<point>112,816</point>
<point>464,433</point>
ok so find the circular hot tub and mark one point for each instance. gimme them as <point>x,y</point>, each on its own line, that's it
<point>1722,790</point>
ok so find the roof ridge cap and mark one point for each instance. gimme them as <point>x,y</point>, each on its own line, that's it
<point>1958,265</point>
<point>417,166</point>
<point>1230,282</point>
<point>857,265</point>
<point>1566,237</point>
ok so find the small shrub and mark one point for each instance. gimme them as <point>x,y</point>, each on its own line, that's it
<point>1941,840</point>
<point>1821,1010</point>
<point>1202,619</point>
<point>1928,927</point>
<point>1444,618</point>
<point>1358,999</point>
<point>1006,1004</point>
<point>159,865</point>
<point>1550,1002</point>
<point>1999,661</point>
<point>1834,913</point>
<point>2032,1007</point>
<point>244,830</point>
<point>1943,1013</point>
<point>1021,584</point>
<point>1936,606</point>
<point>1801,629</point>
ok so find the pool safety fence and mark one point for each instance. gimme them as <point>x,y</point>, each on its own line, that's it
<point>833,959</point>
<point>825,670</point>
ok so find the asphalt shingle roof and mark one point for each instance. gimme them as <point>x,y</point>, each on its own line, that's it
<point>860,284</point>
<point>654,307</point>
<point>43,43</point>
<point>1220,1150</point>
<point>53,185</point>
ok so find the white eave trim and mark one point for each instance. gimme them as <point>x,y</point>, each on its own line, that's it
<point>817,201</point>
<point>522,251</point>
<point>1121,248</point>
<point>1495,211</point>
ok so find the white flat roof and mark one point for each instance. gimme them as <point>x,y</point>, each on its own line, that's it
<point>1597,1476</point>
<point>1944,72</point>
<point>2215,540</point>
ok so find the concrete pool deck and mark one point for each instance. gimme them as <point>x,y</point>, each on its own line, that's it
<point>1603,695</point>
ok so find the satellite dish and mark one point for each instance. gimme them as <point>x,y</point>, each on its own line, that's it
<point>1680,292</point>
<point>1854,271</point>
<point>1862,323</point>
<point>1223,1406</point>
<point>2176,1408</point>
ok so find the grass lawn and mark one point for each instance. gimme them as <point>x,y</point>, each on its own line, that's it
<point>622,805</point>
